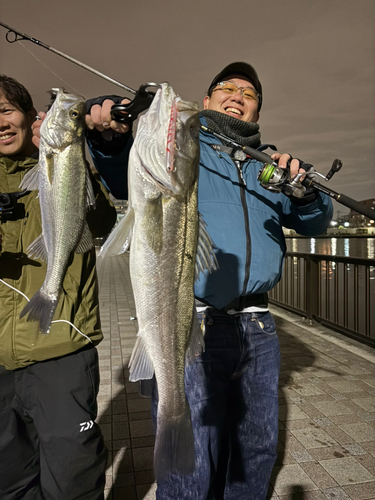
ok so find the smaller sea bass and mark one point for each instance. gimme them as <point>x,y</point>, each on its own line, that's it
<point>65,193</point>
<point>169,246</point>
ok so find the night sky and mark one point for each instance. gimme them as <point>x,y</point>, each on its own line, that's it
<point>315,59</point>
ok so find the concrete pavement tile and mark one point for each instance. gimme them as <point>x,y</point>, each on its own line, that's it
<point>131,387</point>
<point>145,476</point>
<point>120,417</point>
<point>367,403</point>
<point>143,458</point>
<point>351,418</point>
<point>355,370</point>
<point>120,430</point>
<point>339,435</point>
<point>146,491</point>
<point>302,456</point>
<point>119,406</point>
<point>320,476</point>
<point>119,444</point>
<point>330,407</point>
<point>311,410</point>
<point>336,494</point>
<point>136,405</point>
<point>367,461</point>
<point>284,457</point>
<point>345,386</point>
<point>360,432</point>
<point>303,495</point>
<point>313,438</point>
<point>305,390</point>
<point>291,479</point>
<point>143,441</point>
<point>141,428</point>
<point>291,412</point>
<point>290,442</point>
<point>364,491</point>
<point>141,415</point>
<point>338,396</point>
<point>329,453</point>
<point>128,492</point>
<point>106,431</point>
<point>347,471</point>
<point>298,424</point>
<point>322,422</point>
<point>354,449</point>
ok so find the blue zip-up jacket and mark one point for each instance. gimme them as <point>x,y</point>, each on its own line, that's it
<point>244,221</point>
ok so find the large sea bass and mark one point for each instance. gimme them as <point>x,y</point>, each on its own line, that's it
<point>166,238</point>
<point>65,192</point>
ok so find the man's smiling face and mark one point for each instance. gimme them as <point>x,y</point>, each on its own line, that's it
<point>234,105</point>
<point>15,129</point>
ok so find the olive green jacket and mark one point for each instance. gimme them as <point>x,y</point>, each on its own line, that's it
<point>21,344</point>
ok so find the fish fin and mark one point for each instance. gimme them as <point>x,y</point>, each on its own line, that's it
<point>37,249</point>
<point>140,365</point>
<point>90,195</point>
<point>119,240</point>
<point>41,309</point>
<point>85,243</point>
<point>174,446</point>
<point>205,257</point>
<point>30,180</point>
<point>196,341</point>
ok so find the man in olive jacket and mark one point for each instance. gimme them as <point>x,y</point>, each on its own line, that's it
<point>50,446</point>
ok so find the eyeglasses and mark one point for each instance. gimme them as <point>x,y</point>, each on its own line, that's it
<point>232,88</point>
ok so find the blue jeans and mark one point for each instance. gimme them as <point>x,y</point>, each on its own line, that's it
<point>232,389</point>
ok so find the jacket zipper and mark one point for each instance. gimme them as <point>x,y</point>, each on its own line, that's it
<point>247,228</point>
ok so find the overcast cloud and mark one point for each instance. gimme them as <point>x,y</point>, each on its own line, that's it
<point>315,59</point>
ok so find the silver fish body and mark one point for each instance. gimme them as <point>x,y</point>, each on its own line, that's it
<point>162,227</point>
<point>65,192</point>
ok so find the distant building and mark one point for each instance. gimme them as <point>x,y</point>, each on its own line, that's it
<point>359,220</point>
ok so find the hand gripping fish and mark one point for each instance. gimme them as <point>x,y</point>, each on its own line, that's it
<point>169,246</point>
<point>65,193</point>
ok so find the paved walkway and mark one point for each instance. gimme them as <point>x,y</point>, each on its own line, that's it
<point>327,406</point>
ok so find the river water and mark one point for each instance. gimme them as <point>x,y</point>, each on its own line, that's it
<point>348,247</point>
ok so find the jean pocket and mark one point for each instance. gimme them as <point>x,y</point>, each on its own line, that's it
<point>266,323</point>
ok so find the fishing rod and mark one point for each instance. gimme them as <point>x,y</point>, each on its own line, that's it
<point>277,179</point>
<point>141,101</point>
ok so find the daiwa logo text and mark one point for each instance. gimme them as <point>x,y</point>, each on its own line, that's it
<point>85,426</point>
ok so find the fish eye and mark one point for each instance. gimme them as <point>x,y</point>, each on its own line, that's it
<point>74,114</point>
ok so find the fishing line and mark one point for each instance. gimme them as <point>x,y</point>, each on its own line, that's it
<point>49,69</point>
<point>57,320</point>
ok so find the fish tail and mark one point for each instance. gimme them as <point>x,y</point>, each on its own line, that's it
<point>174,446</point>
<point>40,308</point>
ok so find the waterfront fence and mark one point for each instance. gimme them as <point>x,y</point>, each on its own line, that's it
<point>336,291</point>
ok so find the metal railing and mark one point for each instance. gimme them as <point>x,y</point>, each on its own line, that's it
<point>336,291</point>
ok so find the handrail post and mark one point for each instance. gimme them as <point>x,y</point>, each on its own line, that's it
<point>312,287</point>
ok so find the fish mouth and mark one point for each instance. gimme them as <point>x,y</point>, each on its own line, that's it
<point>170,190</point>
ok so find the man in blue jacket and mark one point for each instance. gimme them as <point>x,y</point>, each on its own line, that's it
<point>232,387</point>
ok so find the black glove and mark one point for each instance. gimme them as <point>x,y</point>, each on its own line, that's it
<point>310,195</point>
<point>97,140</point>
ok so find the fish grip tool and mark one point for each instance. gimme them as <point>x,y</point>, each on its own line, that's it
<point>277,179</point>
<point>141,101</point>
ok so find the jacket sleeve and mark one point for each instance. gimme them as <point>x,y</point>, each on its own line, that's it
<point>308,220</point>
<point>111,161</point>
<point>101,219</point>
